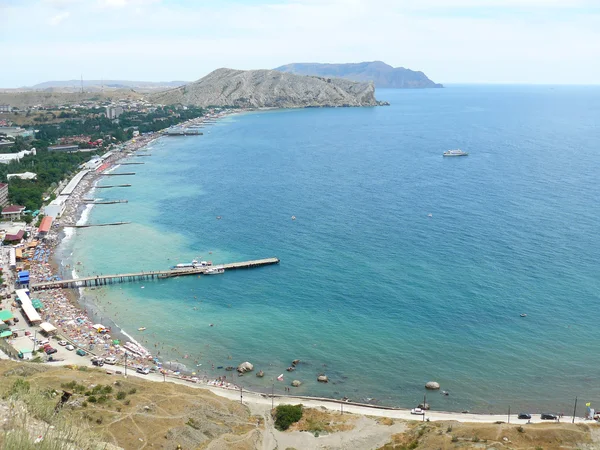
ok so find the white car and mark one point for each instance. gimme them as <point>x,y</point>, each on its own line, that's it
<point>70,347</point>
<point>44,342</point>
<point>111,360</point>
<point>143,370</point>
<point>63,343</point>
<point>417,411</point>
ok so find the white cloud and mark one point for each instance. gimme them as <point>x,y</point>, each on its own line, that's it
<point>58,18</point>
<point>185,41</point>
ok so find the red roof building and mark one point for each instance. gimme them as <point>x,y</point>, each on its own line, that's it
<point>45,225</point>
<point>12,212</point>
<point>14,237</point>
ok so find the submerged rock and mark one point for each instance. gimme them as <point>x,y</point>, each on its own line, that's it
<point>296,383</point>
<point>322,378</point>
<point>245,367</point>
<point>433,385</point>
<point>260,374</point>
<point>295,362</point>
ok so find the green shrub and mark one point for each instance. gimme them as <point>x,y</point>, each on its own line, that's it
<point>102,399</point>
<point>521,429</point>
<point>92,399</point>
<point>107,389</point>
<point>286,415</point>
<point>454,439</point>
<point>121,395</point>
<point>127,402</point>
<point>132,391</point>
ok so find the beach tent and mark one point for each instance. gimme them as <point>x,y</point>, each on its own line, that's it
<point>6,315</point>
<point>37,304</point>
<point>5,333</point>
<point>99,327</point>
<point>48,327</point>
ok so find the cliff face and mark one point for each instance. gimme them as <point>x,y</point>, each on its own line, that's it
<point>268,88</point>
<point>380,73</point>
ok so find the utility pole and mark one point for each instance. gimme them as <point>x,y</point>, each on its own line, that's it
<point>125,364</point>
<point>574,410</point>
<point>508,413</point>
<point>273,394</point>
<point>241,394</point>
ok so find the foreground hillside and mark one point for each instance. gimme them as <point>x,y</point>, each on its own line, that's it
<point>268,88</point>
<point>380,73</point>
<point>108,411</point>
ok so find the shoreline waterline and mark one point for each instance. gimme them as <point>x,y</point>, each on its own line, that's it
<point>468,334</point>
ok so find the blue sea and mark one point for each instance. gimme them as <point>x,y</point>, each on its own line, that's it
<point>401,267</point>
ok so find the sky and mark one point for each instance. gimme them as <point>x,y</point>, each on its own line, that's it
<point>452,41</point>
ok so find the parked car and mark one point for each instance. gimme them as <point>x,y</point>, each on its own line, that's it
<point>81,352</point>
<point>143,370</point>
<point>50,351</point>
<point>525,416</point>
<point>44,342</point>
<point>548,416</point>
<point>63,343</point>
<point>417,411</point>
<point>97,361</point>
<point>111,360</point>
<point>16,319</point>
<point>46,347</point>
<point>70,347</point>
<point>28,333</point>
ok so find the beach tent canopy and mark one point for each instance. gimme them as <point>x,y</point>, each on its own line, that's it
<point>23,273</point>
<point>6,315</point>
<point>6,333</point>
<point>37,304</point>
<point>47,327</point>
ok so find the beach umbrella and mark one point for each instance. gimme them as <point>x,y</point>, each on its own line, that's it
<point>116,341</point>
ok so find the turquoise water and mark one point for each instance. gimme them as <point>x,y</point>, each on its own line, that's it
<point>371,290</point>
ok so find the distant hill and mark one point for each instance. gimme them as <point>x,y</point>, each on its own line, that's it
<point>382,74</point>
<point>114,84</point>
<point>268,88</point>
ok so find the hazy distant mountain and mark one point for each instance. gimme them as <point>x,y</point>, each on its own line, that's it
<point>114,84</point>
<point>382,74</point>
<point>268,88</point>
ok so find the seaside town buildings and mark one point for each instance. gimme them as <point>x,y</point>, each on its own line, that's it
<point>4,108</point>
<point>64,148</point>
<point>5,158</point>
<point>22,176</point>
<point>113,112</point>
<point>3,194</point>
<point>12,212</point>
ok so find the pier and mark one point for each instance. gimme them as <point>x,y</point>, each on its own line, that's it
<point>143,154</point>
<point>97,225</point>
<point>91,201</point>
<point>102,280</point>
<point>113,185</point>
<point>117,174</point>
<point>130,163</point>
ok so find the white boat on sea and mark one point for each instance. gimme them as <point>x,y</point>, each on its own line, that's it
<point>216,270</point>
<point>457,152</point>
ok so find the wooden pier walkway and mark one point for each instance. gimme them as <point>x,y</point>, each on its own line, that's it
<point>113,185</point>
<point>144,154</point>
<point>130,163</point>
<point>91,201</point>
<point>97,225</point>
<point>117,174</point>
<point>101,280</point>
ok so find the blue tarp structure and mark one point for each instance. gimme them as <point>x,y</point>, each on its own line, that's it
<point>24,273</point>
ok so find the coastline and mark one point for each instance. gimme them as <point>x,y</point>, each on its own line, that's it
<point>76,219</point>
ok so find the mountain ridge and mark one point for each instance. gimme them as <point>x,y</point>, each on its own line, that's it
<point>380,73</point>
<point>270,89</point>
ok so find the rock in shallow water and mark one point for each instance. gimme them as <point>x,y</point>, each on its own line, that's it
<point>433,385</point>
<point>245,367</point>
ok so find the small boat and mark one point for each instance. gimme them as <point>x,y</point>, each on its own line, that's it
<point>293,217</point>
<point>523,315</point>
<point>214,270</point>
<point>141,328</point>
<point>457,152</point>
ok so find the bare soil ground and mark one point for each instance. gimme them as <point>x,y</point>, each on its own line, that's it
<point>149,414</point>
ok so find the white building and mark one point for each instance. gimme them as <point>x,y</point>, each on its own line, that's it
<point>5,158</point>
<point>56,207</point>
<point>22,176</point>
<point>113,112</point>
